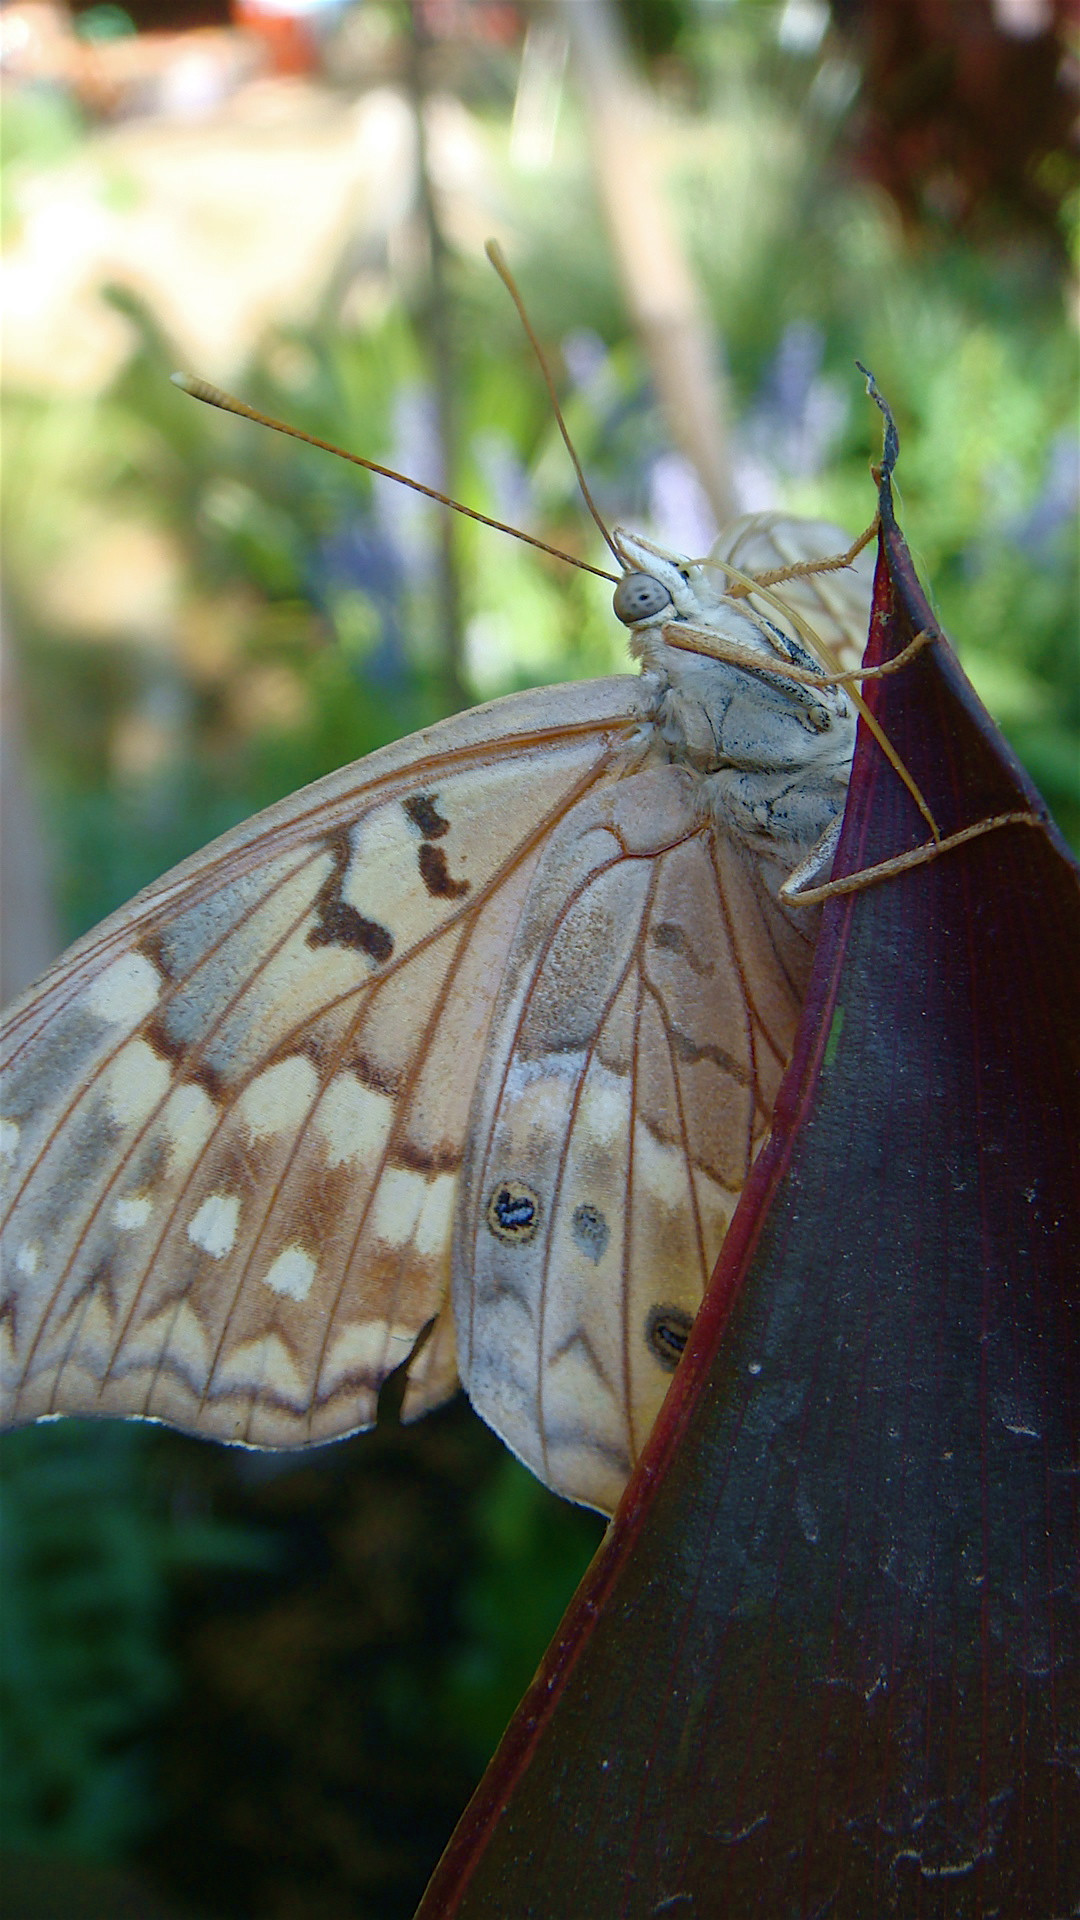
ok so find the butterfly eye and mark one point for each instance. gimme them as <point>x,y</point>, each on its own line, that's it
<point>639,596</point>
<point>513,1211</point>
<point>667,1330</point>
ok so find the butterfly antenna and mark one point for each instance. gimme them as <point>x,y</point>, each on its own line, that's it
<point>498,260</point>
<point>216,397</point>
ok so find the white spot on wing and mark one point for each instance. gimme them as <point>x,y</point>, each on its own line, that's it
<point>398,1200</point>
<point>126,992</point>
<point>281,1097</point>
<point>134,1212</point>
<point>384,843</point>
<point>9,1139</point>
<point>603,1113</point>
<point>432,1232</point>
<point>659,1168</point>
<point>27,1258</point>
<point>213,1227</point>
<point>188,1120</point>
<point>354,1120</point>
<point>135,1082</point>
<point>292,1274</point>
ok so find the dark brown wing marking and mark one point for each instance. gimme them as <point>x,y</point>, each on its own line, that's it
<point>337,923</point>
<point>425,815</point>
<point>436,876</point>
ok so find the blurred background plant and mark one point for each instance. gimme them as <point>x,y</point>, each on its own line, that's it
<point>270,1685</point>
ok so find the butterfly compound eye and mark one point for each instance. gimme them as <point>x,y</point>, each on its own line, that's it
<point>639,596</point>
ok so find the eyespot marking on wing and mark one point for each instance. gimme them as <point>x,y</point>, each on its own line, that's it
<point>591,1231</point>
<point>213,1227</point>
<point>293,1273</point>
<point>27,1258</point>
<point>513,1212</point>
<point>10,1135</point>
<point>436,875</point>
<point>339,924</point>
<point>667,1330</point>
<point>424,814</point>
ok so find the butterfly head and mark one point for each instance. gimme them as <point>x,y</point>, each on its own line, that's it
<point>670,603</point>
<point>658,587</point>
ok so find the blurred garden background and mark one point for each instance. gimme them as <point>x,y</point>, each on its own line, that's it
<point>233,1685</point>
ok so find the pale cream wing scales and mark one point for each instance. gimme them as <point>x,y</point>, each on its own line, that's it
<point>836,604</point>
<point>234,1115</point>
<point>649,1008</point>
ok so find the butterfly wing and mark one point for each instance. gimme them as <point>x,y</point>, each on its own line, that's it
<point>836,604</point>
<point>235,1114</point>
<point>647,1012</point>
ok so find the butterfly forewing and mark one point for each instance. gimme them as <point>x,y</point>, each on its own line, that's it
<point>647,1012</point>
<point>235,1115</point>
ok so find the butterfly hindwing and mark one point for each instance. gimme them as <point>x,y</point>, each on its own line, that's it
<point>235,1114</point>
<point>646,1016</point>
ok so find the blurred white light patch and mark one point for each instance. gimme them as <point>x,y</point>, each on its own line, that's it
<point>225,227</point>
<point>801,26</point>
<point>680,515</point>
<point>1023,19</point>
<point>539,96</point>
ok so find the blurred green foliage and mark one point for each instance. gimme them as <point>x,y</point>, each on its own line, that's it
<point>90,1547</point>
<point>303,635</point>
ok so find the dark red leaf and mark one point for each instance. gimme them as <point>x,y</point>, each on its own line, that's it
<point>827,1661</point>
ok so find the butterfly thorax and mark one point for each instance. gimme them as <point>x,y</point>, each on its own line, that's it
<point>773,753</point>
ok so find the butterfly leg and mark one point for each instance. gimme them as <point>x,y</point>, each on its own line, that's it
<point>805,569</point>
<point>901,659</point>
<point>796,893</point>
<point>815,868</point>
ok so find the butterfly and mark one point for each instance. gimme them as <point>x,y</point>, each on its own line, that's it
<point>455,1061</point>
